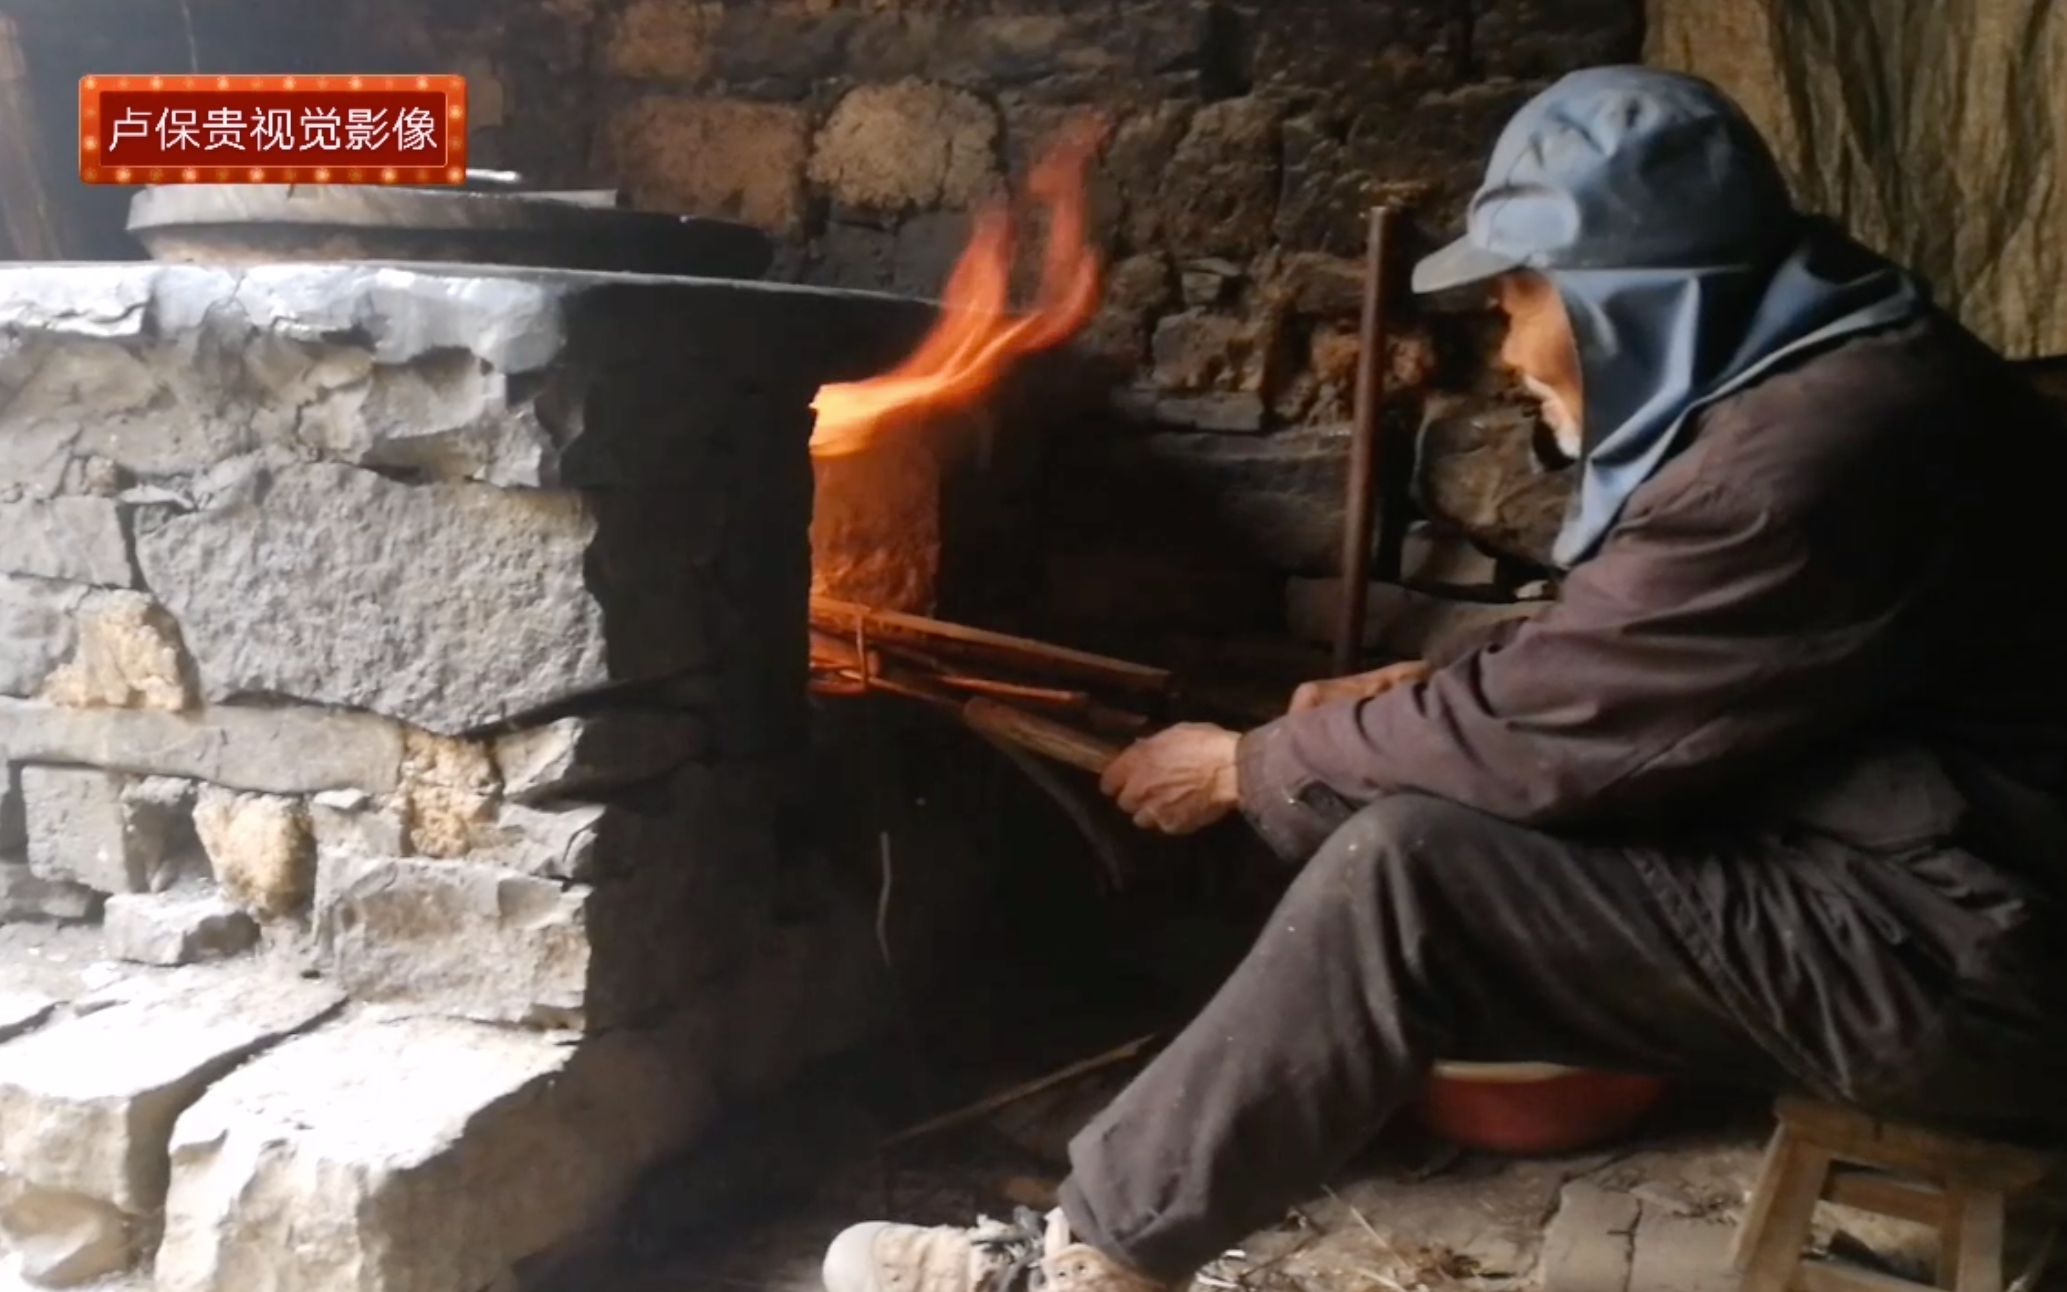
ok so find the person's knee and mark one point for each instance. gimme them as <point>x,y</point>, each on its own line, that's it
<point>1380,882</point>
<point>1394,841</point>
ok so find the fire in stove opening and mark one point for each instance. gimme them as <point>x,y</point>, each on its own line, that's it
<point>977,339</point>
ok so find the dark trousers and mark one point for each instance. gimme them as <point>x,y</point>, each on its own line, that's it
<point>1915,984</point>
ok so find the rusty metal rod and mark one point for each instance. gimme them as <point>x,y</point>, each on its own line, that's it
<point>1359,518</point>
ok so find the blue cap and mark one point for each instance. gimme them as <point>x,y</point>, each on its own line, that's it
<point>1619,168</point>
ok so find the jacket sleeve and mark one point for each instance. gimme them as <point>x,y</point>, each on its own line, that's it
<point>1447,648</point>
<point>1721,624</point>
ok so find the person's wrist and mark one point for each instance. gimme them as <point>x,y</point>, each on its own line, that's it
<point>1227,779</point>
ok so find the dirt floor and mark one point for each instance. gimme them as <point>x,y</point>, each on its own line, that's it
<point>1652,1214</point>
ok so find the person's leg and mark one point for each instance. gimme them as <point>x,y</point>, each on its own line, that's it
<point>1420,931</point>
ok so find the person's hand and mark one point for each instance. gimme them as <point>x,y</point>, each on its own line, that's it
<point>1177,781</point>
<point>1357,686</point>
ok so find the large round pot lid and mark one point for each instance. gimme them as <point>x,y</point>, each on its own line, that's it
<point>245,223</point>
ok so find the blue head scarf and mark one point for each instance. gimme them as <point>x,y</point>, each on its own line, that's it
<point>1653,207</point>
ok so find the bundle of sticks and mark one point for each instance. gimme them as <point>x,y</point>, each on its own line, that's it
<point>1077,708</point>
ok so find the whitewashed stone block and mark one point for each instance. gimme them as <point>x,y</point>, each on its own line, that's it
<point>80,831</point>
<point>410,1155</point>
<point>171,930</point>
<point>87,1103</point>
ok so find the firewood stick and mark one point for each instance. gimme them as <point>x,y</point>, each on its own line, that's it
<point>993,718</point>
<point>1018,692</point>
<point>841,618</point>
<point>901,684</point>
<point>1109,721</point>
<point>842,646</point>
<point>1025,1090</point>
<point>911,655</point>
<point>832,652</point>
<point>1043,736</point>
<point>999,721</point>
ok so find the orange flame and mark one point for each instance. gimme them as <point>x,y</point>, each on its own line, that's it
<point>976,341</point>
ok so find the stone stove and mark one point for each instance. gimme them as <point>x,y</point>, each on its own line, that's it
<point>401,681</point>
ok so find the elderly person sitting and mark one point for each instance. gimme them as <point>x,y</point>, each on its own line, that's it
<point>1773,791</point>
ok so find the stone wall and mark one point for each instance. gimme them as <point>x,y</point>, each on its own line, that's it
<point>1247,142</point>
<point>401,700</point>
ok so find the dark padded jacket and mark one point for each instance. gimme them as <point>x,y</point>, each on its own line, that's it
<point>1836,610</point>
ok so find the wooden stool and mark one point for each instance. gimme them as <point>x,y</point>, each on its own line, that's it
<point>1822,1152</point>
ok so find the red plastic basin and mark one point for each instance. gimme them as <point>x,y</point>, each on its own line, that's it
<point>1526,1109</point>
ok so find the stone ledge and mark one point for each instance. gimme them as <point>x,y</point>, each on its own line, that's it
<point>89,1099</point>
<point>87,1106</point>
<point>411,1155</point>
<point>287,750</point>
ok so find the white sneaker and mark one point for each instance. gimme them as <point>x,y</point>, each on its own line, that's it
<point>1029,1254</point>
